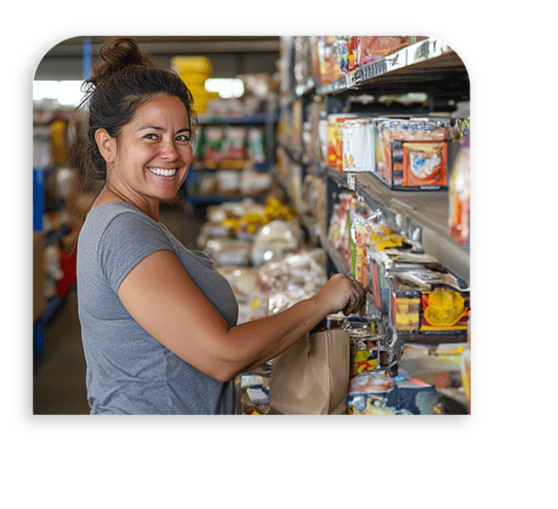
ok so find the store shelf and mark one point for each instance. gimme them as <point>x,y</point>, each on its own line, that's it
<point>426,209</point>
<point>256,119</point>
<point>421,64</point>
<point>215,199</point>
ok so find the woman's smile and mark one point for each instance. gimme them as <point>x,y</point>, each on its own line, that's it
<point>163,172</point>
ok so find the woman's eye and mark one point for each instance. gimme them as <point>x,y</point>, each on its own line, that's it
<point>151,136</point>
<point>183,138</point>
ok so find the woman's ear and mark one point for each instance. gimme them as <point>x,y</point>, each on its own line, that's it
<point>106,144</point>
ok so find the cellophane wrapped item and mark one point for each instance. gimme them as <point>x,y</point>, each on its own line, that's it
<point>368,48</point>
<point>283,283</point>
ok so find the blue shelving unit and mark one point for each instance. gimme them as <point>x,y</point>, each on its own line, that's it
<point>267,120</point>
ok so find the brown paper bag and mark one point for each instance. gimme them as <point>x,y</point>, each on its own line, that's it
<point>312,376</point>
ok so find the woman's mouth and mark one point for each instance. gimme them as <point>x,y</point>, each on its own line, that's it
<point>163,172</point>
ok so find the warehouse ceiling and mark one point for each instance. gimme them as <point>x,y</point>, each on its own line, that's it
<point>229,55</point>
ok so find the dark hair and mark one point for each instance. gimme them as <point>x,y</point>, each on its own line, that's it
<point>123,81</point>
<point>118,86</point>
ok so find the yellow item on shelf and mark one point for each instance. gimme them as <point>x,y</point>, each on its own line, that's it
<point>194,70</point>
<point>199,64</point>
<point>445,307</point>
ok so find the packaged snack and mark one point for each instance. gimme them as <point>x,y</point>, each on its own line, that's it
<point>328,54</point>
<point>226,252</point>
<point>335,140</point>
<point>371,382</point>
<point>213,138</point>
<point>358,147</point>
<point>339,227</point>
<point>363,352</point>
<point>428,299</point>
<point>415,152</point>
<point>367,49</point>
<point>460,196</point>
<point>256,145</point>
<point>343,55</point>
<point>275,240</point>
<point>234,144</point>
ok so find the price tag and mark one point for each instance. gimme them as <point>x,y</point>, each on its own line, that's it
<point>351,181</point>
<point>351,78</point>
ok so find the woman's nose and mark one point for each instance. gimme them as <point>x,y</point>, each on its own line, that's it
<point>169,151</point>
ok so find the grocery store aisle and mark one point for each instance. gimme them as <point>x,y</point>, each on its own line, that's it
<point>59,382</point>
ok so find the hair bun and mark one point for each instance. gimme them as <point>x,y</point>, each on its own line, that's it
<point>117,55</point>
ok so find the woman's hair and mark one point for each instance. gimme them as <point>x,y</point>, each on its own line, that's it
<point>123,81</point>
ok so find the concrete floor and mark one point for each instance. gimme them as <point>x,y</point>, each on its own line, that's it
<point>59,381</point>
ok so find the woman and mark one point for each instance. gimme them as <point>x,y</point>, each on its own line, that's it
<point>158,321</point>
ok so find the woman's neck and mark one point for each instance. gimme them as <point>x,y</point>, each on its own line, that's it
<point>109,194</point>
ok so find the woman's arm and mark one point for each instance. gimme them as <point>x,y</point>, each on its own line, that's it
<point>165,301</point>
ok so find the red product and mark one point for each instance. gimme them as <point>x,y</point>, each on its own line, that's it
<point>370,48</point>
<point>415,152</point>
<point>68,267</point>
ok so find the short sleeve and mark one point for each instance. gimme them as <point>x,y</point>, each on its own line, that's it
<point>129,238</point>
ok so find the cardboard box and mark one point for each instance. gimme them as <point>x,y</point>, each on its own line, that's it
<point>414,152</point>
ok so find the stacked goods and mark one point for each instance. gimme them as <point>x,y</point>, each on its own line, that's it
<point>417,293</point>
<point>405,153</point>
<point>414,152</point>
<point>231,146</point>
<point>332,57</point>
<point>194,71</point>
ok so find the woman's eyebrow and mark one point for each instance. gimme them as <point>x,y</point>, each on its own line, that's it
<point>162,129</point>
<point>150,126</point>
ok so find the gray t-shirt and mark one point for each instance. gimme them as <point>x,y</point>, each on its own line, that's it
<point>128,370</point>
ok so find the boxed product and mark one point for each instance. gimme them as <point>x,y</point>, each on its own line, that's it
<point>414,152</point>
<point>335,139</point>
<point>428,299</point>
<point>380,261</point>
<point>358,147</point>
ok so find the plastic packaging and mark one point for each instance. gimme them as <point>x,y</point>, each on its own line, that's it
<point>415,152</point>
<point>358,146</point>
<point>275,240</point>
<point>229,252</point>
<point>367,49</point>
<point>335,140</point>
<point>460,196</point>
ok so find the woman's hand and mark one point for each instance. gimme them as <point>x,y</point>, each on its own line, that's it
<point>342,294</point>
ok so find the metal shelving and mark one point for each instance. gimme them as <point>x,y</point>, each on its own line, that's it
<point>425,65</point>
<point>429,65</point>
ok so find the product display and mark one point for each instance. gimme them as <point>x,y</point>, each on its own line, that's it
<point>353,158</point>
<point>414,152</point>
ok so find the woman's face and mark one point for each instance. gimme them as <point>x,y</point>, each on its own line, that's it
<point>153,152</point>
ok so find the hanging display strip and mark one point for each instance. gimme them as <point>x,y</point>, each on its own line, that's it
<point>422,51</point>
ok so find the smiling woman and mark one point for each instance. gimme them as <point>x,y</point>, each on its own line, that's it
<point>150,159</point>
<point>158,320</point>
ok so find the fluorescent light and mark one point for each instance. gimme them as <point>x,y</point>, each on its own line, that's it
<point>67,92</point>
<point>228,88</point>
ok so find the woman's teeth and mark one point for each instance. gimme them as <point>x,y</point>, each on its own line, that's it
<point>162,172</point>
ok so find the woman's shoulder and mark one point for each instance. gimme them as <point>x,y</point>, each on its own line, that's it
<point>109,210</point>
<point>118,220</point>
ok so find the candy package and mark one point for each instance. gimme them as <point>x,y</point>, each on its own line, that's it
<point>428,299</point>
<point>414,152</point>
